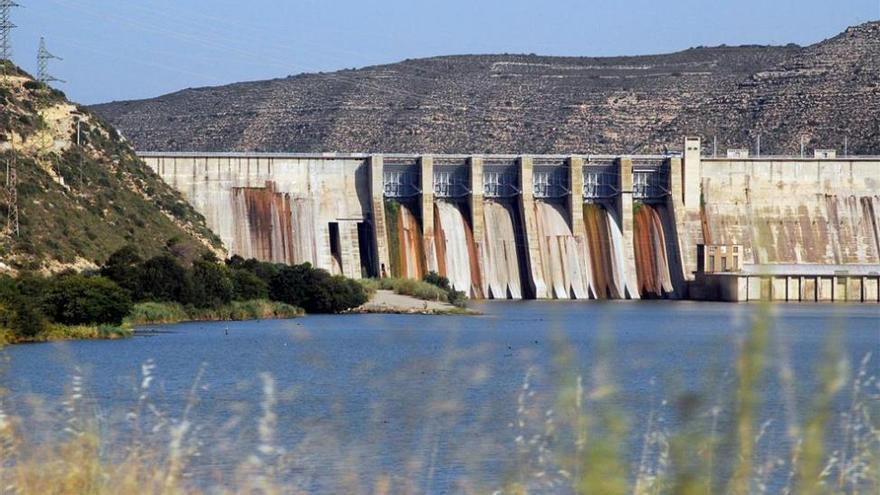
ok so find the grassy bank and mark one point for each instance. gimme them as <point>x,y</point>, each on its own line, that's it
<point>54,333</point>
<point>154,313</point>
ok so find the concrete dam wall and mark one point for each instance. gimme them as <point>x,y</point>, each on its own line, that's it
<point>511,227</point>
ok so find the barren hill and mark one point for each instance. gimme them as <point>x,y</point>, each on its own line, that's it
<point>537,104</point>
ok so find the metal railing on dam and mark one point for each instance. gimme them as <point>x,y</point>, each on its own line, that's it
<point>451,177</point>
<point>580,226</point>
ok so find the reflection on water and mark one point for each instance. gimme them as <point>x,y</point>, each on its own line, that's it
<point>437,401</point>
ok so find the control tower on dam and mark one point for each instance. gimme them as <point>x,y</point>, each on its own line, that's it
<point>540,226</point>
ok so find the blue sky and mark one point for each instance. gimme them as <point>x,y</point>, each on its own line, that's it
<point>123,49</point>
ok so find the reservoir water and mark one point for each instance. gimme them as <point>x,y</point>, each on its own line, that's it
<point>438,404</point>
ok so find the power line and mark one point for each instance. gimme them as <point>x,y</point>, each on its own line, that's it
<point>43,58</point>
<point>6,27</point>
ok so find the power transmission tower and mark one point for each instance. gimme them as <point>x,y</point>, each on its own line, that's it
<point>6,27</point>
<point>43,58</point>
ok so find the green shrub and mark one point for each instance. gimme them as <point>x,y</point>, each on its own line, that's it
<point>23,316</point>
<point>246,310</point>
<point>123,267</point>
<point>315,290</point>
<point>155,313</point>
<point>161,278</point>
<point>247,286</point>
<point>262,269</point>
<point>454,297</point>
<point>151,313</point>
<point>435,279</point>
<point>457,298</point>
<point>209,285</point>
<point>82,300</point>
<point>21,300</point>
<point>344,294</point>
<point>82,332</point>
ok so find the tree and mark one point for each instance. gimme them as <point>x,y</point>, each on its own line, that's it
<point>209,285</point>
<point>345,294</point>
<point>21,304</point>
<point>123,267</point>
<point>246,286</point>
<point>290,284</point>
<point>161,278</point>
<point>235,261</point>
<point>262,269</point>
<point>315,290</point>
<point>82,300</point>
<point>27,318</point>
<point>22,315</point>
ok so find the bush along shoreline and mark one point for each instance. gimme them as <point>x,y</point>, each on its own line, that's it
<point>165,313</point>
<point>173,287</point>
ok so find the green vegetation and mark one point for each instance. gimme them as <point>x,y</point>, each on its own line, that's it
<point>79,204</point>
<point>81,300</point>
<point>153,313</point>
<point>53,332</point>
<point>432,288</point>
<point>392,225</point>
<point>208,289</point>
<point>157,313</point>
<point>67,306</point>
<point>129,290</point>
<point>315,290</point>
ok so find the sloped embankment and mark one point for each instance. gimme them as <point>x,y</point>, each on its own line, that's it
<point>79,204</point>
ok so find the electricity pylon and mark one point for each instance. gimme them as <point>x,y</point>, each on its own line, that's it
<point>6,27</point>
<point>43,58</point>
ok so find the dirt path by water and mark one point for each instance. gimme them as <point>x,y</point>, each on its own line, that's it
<point>386,301</point>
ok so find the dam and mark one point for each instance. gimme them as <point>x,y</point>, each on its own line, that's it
<point>548,226</point>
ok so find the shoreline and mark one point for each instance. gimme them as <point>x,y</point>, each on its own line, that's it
<point>389,302</point>
<point>62,333</point>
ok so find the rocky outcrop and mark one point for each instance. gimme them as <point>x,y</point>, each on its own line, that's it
<point>827,94</point>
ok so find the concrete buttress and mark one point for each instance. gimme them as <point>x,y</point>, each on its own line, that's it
<point>426,164</point>
<point>530,227</point>
<point>625,212</point>
<point>377,197</point>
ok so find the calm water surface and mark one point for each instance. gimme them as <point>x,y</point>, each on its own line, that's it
<point>438,401</point>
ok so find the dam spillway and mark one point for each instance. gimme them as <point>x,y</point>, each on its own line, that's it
<point>543,226</point>
<point>456,249</point>
<point>502,254</point>
<point>606,253</point>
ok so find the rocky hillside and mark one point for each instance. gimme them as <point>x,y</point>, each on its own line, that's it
<point>823,93</point>
<point>535,104</point>
<point>78,204</point>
